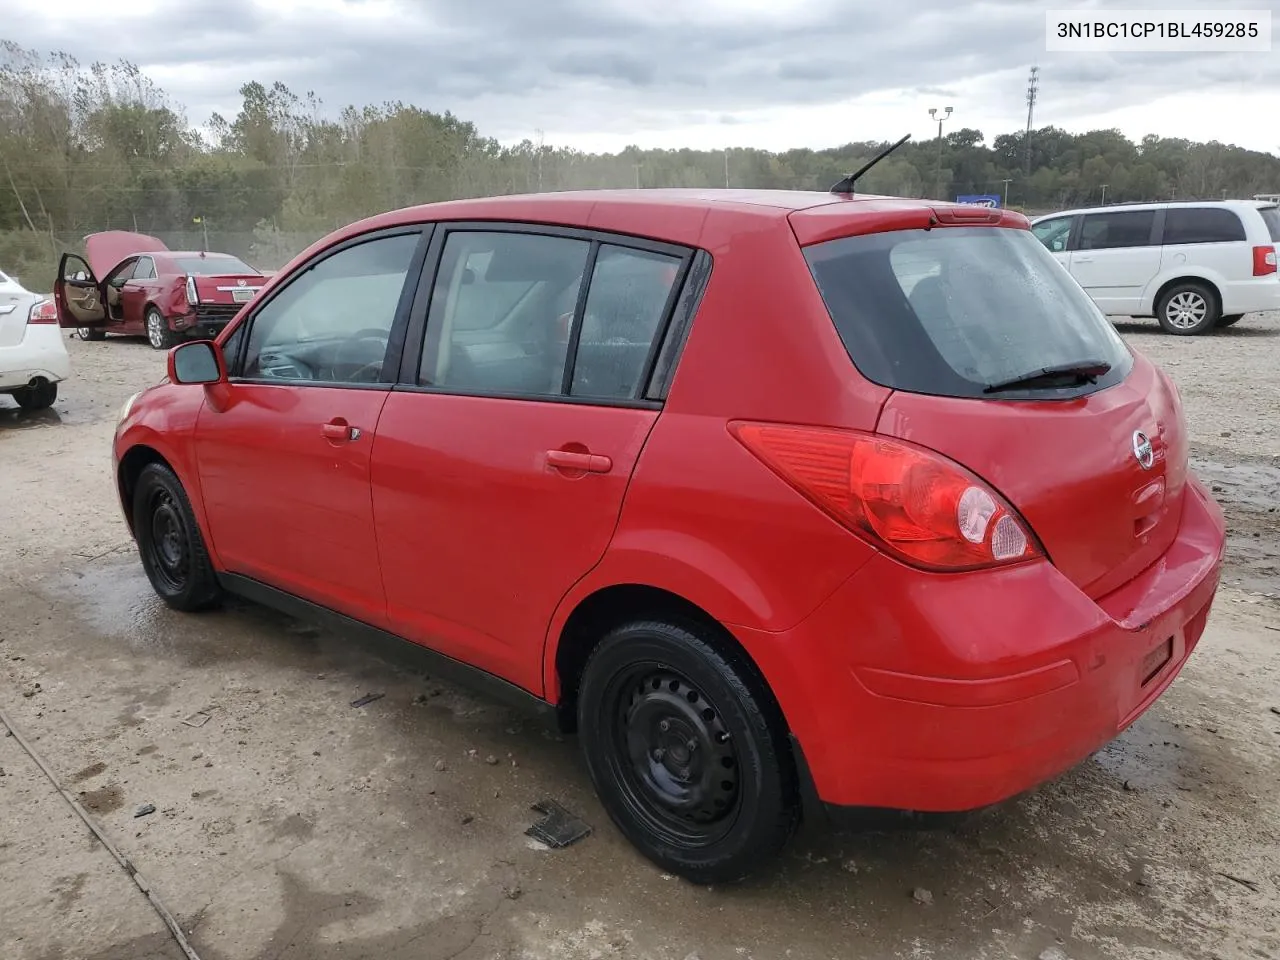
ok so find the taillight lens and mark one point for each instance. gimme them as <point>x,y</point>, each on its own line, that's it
<point>193,297</point>
<point>1264,261</point>
<point>919,506</point>
<point>46,311</point>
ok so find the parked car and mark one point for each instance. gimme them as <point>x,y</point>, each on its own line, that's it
<point>33,358</point>
<point>147,289</point>
<point>1192,265</point>
<point>772,496</point>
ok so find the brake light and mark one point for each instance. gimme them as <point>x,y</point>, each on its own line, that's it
<point>193,297</point>
<point>1264,261</point>
<point>46,311</point>
<point>919,506</point>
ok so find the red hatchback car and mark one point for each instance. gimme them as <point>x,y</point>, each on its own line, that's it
<point>148,289</point>
<point>773,496</point>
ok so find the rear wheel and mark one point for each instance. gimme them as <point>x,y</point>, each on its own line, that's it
<point>1228,321</point>
<point>688,756</point>
<point>158,333</point>
<point>37,395</point>
<point>91,333</point>
<point>170,543</point>
<point>1187,309</point>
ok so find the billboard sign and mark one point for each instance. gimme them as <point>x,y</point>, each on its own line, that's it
<point>980,199</point>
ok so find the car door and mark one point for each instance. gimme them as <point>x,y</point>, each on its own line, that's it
<point>504,453</point>
<point>283,449</point>
<point>1116,255</point>
<point>1055,234</point>
<point>78,295</point>
<point>119,290</point>
<point>1208,242</point>
<point>135,292</point>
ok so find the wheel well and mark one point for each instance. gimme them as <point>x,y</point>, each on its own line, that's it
<point>605,609</point>
<point>1170,284</point>
<point>131,467</point>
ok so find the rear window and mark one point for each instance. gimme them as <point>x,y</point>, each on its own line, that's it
<point>1271,217</point>
<point>213,266</point>
<point>955,310</point>
<point>1202,225</point>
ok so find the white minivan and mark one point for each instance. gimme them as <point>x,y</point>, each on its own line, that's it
<point>1192,265</point>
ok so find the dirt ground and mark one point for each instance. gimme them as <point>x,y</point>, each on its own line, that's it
<point>292,826</point>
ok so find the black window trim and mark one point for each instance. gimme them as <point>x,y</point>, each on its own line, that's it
<point>415,336</point>
<point>396,338</point>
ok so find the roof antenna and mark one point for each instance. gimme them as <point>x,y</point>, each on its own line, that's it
<point>846,185</point>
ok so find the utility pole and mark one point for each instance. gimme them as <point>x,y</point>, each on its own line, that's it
<point>636,167</point>
<point>1007,181</point>
<point>540,142</point>
<point>726,167</point>
<point>946,115</point>
<point>1033,91</point>
<point>1104,194</point>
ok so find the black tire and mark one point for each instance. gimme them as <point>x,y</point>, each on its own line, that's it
<point>37,395</point>
<point>158,333</point>
<point>1188,309</point>
<point>1228,321</point>
<point>686,751</point>
<point>91,333</point>
<point>170,543</point>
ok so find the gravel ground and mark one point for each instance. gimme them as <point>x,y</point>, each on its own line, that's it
<point>292,826</point>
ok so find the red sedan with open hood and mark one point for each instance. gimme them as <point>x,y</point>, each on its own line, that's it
<point>145,288</point>
<point>770,495</point>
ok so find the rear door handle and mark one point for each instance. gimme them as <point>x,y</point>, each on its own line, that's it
<point>573,460</point>
<point>339,431</point>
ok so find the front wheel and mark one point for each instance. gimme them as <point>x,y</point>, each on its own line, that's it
<point>91,333</point>
<point>687,753</point>
<point>37,395</point>
<point>1187,309</point>
<point>158,333</point>
<point>170,543</point>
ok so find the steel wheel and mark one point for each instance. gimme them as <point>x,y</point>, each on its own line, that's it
<point>673,755</point>
<point>166,543</point>
<point>1186,310</point>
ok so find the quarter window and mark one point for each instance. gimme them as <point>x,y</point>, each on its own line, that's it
<point>625,305</point>
<point>1053,233</point>
<point>332,323</point>
<point>1201,225</point>
<point>1123,228</point>
<point>145,270</point>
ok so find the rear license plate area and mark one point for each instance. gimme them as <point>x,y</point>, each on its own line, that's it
<point>1156,660</point>
<point>242,294</point>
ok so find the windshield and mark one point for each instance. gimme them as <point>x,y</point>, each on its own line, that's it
<point>219,266</point>
<point>956,310</point>
<point>1271,217</point>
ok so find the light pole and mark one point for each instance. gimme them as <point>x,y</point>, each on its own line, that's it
<point>1007,181</point>
<point>945,115</point>
<point>1104,194</point>
<point>637,167</point>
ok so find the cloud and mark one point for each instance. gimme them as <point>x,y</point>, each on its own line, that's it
<point>614,67</point>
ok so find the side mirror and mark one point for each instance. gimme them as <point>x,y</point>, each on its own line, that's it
<point>197,362</point>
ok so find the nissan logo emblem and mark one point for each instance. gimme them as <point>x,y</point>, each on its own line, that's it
<point>1143,452</point>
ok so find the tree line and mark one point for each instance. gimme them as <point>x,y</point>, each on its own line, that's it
<point>101,147</point>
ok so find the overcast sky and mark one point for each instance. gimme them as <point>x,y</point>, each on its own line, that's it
<point>601,74</point>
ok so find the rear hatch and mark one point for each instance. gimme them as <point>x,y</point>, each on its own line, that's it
<point>963,323</point>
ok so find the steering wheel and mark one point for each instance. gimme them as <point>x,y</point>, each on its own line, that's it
<point>368,372</point>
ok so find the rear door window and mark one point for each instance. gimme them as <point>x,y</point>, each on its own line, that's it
<point>956,310</point>
<point>1202,225</point>
<point>1122,228</point>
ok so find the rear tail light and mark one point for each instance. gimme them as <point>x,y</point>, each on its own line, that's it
<point>46,311</point>
<point>193,297</point>
<point>919,506</point>
<point>1264,261</point>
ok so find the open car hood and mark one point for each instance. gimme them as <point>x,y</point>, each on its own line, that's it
<point>105,250</point>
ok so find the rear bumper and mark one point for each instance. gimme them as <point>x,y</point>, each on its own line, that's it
<point>40,354</point>
<point>932,693</point>
<point>205,321</point>
<point>1251,296</point>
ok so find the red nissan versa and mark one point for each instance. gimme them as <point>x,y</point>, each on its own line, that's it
<point>770,495</point>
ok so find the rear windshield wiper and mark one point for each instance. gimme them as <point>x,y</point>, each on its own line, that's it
<point>1079,371</point>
